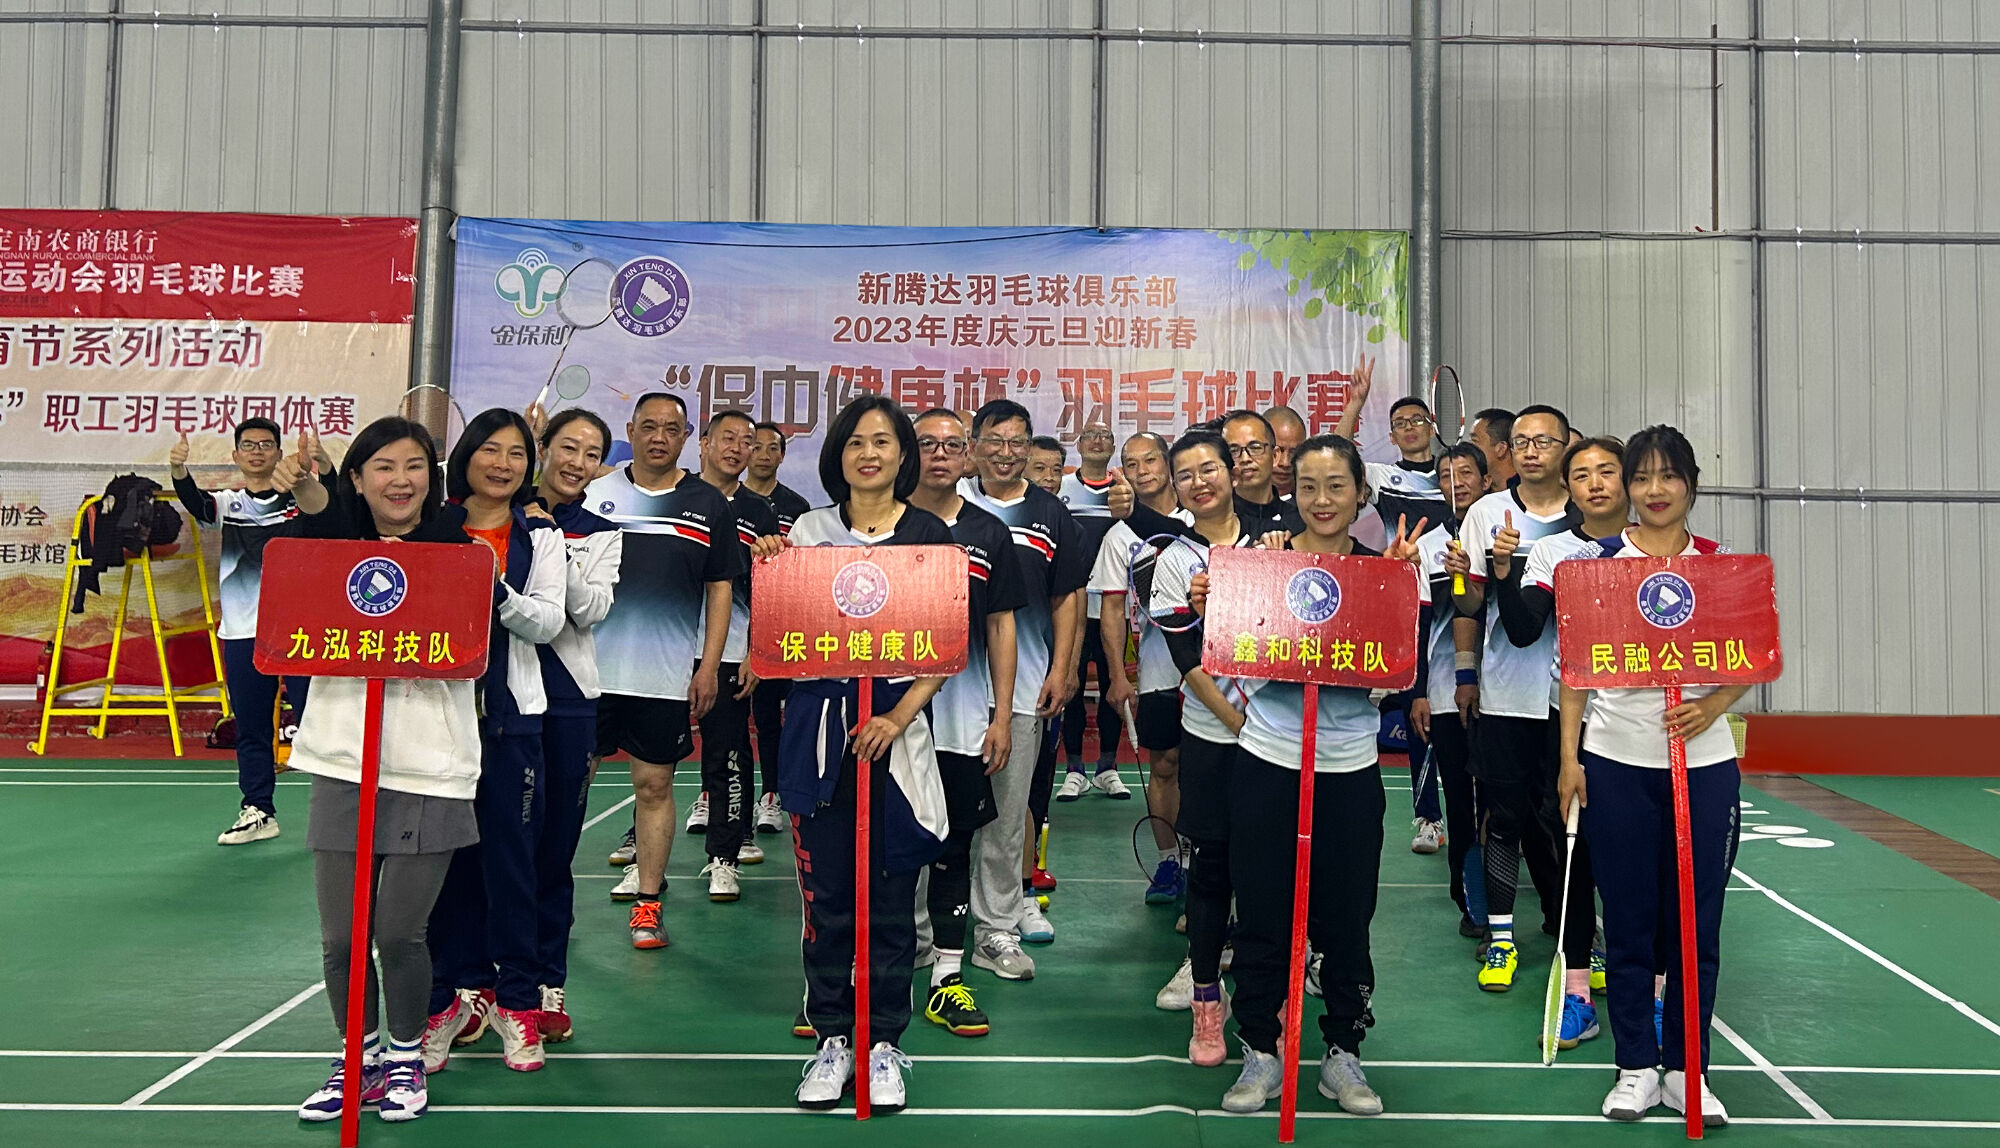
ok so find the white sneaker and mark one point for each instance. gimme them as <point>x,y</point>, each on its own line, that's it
<point>1673,1094</point>
<point>827,1075</point>
<point>723,883</point>
<point>627,851</point>
<point>887,1090</point>
<point>770,814</point>
<point>520,1038</point>
<point>749,853</point>
<point>1111,785</point>
<point>404,1096</point>
<point>1035,928</point>
<point>1430,835</point>
<point>698,814</point>
<point>1635,1093</point>
<point>627,889</point>
<point>1263,1077</point>
<point>251,824</point>
<point>1177,995</point>
<point>1074,785</point>
<point>444,1027</point>
<point>1001,955</point>
<point>1341,1079</point>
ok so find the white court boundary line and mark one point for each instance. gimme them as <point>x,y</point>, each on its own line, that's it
<point>1060,1113</point>
<point>1777,1075</point>
<point>227,1043</point>
<point>1925,986</point>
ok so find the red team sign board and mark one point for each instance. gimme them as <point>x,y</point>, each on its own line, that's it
<point>859,611</point>
<point>1332,620</point>
<point>1702,620</point>
<point>338,609</point>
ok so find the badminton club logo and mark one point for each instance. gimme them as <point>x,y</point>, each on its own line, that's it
<point>376,586</point>
<point>1312,595</point>
<point>1666,600</point>
<point>649,296</point>
<point>860,589</point>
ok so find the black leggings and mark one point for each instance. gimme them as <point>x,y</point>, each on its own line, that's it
<point>1109,727</point>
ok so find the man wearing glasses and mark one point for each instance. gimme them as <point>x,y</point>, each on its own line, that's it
<point>1086,493</point>
<point>1408,489</point>
<point>250,517</point>
<point>1253,451</point>
<point>1054,568</point>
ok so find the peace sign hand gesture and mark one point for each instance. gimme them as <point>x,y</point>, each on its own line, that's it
<point>1404,545</point>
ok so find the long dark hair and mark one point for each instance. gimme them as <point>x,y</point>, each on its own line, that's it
<point>484,426</point>
<point>366,445</point>
<point>844,424</point>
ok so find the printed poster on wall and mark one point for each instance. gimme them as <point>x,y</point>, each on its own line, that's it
<point>122,331</point>
<point>1149,330</point>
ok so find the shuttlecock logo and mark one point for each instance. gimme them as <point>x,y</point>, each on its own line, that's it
<point>376,586</point>
<point>860,589</point>
<point>651,296</point>
<point>1313,595</point>
<point>1666,600</point>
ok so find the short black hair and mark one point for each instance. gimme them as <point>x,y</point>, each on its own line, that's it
<point>1467,450</point>
<point>732,413</point>
<point>262,424</point>
<point>1196,439</point>
<point>1342,448</point>
<point>482,427</point>
<point>1499,422</point>
<point>562,419</point>
<point>1543,409</point>
<point>939,413</point>
<point>1282,413</point>
<point>1156,436</point>
<point>1047,442</point>
<point>384,432</point>
<point>1605,443</point>
<point>652,396</point>
<point>784,440</point>
<point>833,481</point>
<point>1241,414</point>
<point>1000,411</point>
<point>1408,401</point>
<point>1669,447</point>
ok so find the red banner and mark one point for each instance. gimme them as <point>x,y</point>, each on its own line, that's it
<point>1703,620</point>
<point>853,611</point>
<point>174,265</point>
<point>1334,620</point>
<point>335,609</point>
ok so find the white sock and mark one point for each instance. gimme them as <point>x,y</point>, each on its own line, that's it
<point>949,961</point>
<point>1171,853</point>
<point>371,1048</point>
<point>411,1049</point>
<point>1503,927</point>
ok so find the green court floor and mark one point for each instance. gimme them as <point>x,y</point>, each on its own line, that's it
<point>163,991</point>
<point>1965,809</point>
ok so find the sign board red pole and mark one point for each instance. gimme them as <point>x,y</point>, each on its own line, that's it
<point>860,612</point>
<point>1319,620</point>
<point>371,610</point>
<point>1665,623</point>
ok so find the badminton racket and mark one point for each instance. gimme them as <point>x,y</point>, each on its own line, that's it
<point>585,303</point>
<point>434,408</point>
<point>1447,399</point>
<point>1552,1000</point>
<point>1180,621</point>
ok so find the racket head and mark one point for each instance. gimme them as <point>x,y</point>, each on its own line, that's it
<point>434,408</point>
<point>572,382</point>
<point>585,301</point>
<point>1138,597</point>
<point>1552,1011</point>
<point>1447,400</point>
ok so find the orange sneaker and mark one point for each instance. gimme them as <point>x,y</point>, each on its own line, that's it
<point>647,932</point>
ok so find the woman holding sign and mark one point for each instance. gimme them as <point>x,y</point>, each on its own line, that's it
<point>1330,485</point>
<point>1619,770</point>
<point>429,769</point>
<point>868,465</point>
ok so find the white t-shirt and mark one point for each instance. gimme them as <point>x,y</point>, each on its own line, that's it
<point>1438,644</point>
<point>1513,680</point>
<point>1626,725</point>
<point>1541,572</point>
<point>1173,573</point>
<point>1113,575</point>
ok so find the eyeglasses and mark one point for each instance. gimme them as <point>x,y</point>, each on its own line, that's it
<point>951,447</point>
<point>1411,423</point>
<point>1540,442</point>
<point>258,446</point>
<point>1005,445</point>
<point>1209,472</point>
<point>1241,451</point>
<point>1094,436</point>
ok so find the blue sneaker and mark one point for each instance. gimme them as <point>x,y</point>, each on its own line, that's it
<point>1169,883</point>
<point>325,1104</point>
<point>1579,1022</point>
<point>404,1096</point>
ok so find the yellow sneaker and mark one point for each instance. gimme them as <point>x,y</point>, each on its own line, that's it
<point>1496,975</point>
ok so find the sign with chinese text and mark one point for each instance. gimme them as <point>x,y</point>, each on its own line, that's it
<point>1333,620</point>
<point>338,609</point>
<point>854,611</point>
<point>1146,330</point>
<point>1702,620</point>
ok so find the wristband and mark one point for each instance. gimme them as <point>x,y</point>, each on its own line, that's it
<point>1468,677</point>
<point>1464,660</point>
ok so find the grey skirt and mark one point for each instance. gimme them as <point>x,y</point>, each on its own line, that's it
<point>404,822</point>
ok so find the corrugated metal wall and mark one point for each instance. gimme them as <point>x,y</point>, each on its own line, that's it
<point>1585,147</point>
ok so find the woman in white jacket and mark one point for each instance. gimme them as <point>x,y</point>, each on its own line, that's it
<point>485,967</point>
<point>573,446</point>
<point>429,769</point>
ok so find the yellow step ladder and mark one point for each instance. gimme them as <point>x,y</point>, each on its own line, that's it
<point>168,702</point>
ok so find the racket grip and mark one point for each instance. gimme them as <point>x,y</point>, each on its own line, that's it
<point>1458,583</point>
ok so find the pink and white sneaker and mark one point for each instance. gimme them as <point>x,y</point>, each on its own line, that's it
<point>555,1017</point>
<point>1207,1048</point>
<point>520,1038</point>
<point>483,1005</point>
<point>444,1028</point>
